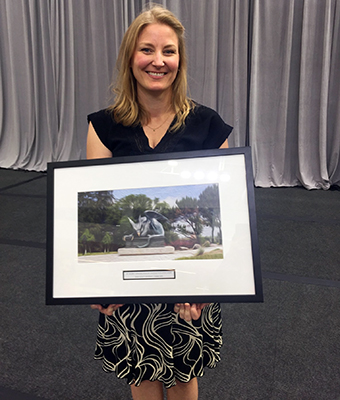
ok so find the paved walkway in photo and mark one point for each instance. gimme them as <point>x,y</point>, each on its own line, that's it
<point>105,258</point>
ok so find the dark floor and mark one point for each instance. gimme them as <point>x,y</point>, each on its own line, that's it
<point>285,348</point>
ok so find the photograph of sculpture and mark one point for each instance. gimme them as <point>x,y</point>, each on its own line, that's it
<point>167,223</point>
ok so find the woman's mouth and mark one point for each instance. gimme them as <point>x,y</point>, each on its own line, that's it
<point>156,74</point>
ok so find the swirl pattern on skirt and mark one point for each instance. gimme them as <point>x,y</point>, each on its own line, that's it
<point>150,342</point>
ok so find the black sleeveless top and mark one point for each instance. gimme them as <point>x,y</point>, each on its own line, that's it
<point>204,129</point>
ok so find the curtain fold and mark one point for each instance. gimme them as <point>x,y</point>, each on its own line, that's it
<point>271,68</point>
<point>292,53</point>
<point>317,29</point>
<point>27,90</point>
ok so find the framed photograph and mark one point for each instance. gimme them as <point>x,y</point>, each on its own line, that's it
<point>177,227</point>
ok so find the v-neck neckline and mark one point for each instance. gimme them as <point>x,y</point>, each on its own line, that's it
<point>162,139</point>
<point>148,141</point>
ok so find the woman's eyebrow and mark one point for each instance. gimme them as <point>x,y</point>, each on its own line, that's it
<point>145,44</point>
<point>151,45</point>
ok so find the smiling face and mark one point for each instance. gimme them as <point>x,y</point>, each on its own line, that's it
<point>155,60</point>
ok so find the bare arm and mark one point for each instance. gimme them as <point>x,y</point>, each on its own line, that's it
<point>95,147</point>
<point>224,145</point>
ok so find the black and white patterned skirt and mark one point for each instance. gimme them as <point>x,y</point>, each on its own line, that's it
<point>150,342</point>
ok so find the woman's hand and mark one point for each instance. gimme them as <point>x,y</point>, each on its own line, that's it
<point>189,311</point>
<point>109,310</point>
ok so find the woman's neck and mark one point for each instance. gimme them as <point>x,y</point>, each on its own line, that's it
<point>156,104</point>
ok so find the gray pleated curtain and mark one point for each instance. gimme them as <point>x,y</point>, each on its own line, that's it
<point>271,68</point>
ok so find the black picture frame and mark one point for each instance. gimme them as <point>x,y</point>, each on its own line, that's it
<point>234,276</point>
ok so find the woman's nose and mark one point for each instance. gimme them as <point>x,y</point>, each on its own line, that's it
<point>158,60</point>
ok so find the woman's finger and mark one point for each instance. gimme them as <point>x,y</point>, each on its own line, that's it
<point>185,312</point>
<point>109,310</point>
<point>177,307</point>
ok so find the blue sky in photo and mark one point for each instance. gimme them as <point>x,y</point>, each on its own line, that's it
<point>168,193</point>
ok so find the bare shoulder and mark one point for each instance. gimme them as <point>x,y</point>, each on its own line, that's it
<point>95,148</point>
<point>224,145</point>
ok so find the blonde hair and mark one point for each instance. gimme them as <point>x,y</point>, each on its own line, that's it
<point>126,108</point>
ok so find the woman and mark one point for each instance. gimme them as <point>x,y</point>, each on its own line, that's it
<point>152,345</point>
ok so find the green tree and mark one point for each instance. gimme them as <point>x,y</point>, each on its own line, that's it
<point>161,206</point>
<point>87,239</point>
<point>188,217</point>
<point>134,205</point>
<point>209,204</point>
<point>107,240</point>
<point>93,206</point>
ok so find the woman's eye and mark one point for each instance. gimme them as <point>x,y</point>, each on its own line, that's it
<point>169,52</point>
<point>146,50</point>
